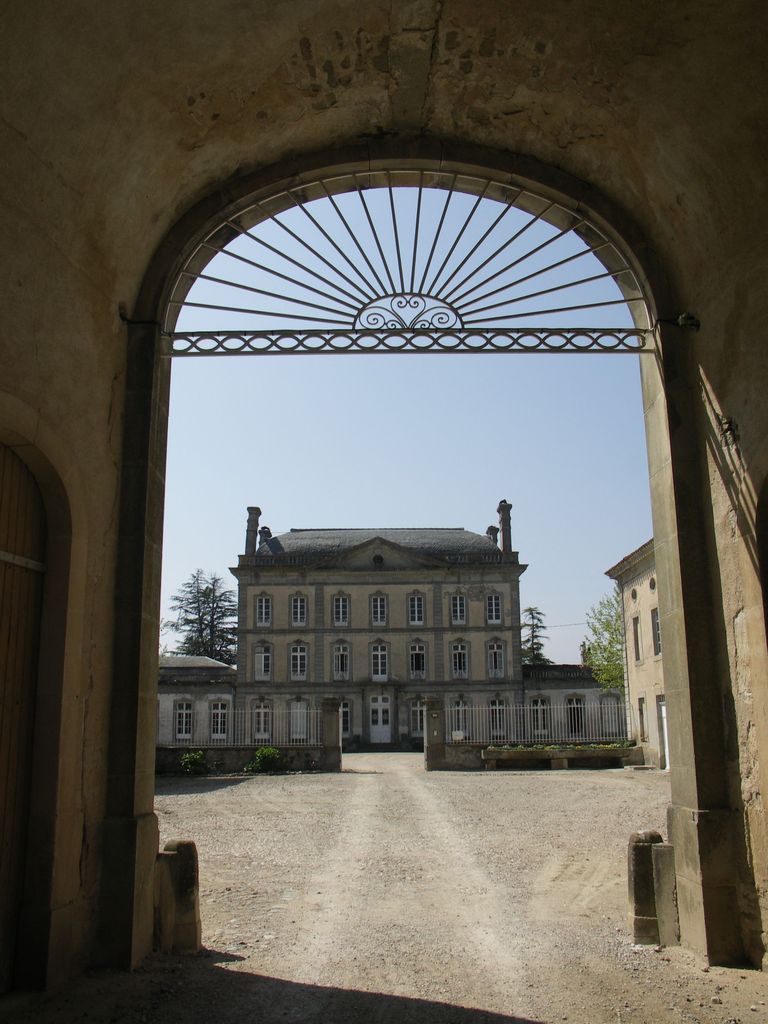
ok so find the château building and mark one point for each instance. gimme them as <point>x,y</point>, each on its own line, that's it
<point>380,619</point>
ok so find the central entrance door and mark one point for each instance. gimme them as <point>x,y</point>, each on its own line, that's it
<point>380,715</point>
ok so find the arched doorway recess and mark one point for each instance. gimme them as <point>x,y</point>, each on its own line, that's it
<point>712,867</point>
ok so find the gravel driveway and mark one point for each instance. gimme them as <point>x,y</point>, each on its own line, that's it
<point>389,894</point>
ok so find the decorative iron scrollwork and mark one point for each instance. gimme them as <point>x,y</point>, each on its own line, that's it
<point>407,311</point>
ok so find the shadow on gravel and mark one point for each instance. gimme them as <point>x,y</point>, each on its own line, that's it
<point>170,784</point>
<point>196,990</point>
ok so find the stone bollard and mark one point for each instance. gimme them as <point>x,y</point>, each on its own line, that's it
<point>177,898</point>
<point>665,889</point>
<point>643,922</point>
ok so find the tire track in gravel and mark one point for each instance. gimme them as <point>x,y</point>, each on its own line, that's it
<point>401,904</point>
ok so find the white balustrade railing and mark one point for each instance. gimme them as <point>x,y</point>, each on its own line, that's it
<point>181,726</point>
<point>577,722</point>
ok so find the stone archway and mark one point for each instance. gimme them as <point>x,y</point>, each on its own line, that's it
<point>711,854</point>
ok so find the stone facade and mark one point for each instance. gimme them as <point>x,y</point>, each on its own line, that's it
<point>194,699</point>
<point>116,161</point>
<point>379,619</point>
<point>635,575</point>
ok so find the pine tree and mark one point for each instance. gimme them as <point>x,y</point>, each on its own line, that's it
<point>206,617</point>
<point>533,637</point>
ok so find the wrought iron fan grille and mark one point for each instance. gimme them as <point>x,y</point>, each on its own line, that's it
<point>406,261</point>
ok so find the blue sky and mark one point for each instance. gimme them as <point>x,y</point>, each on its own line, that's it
<point>415,440</point>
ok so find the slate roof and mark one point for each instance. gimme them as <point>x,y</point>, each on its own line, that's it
<point>449,543</point>
<point>186,661</point>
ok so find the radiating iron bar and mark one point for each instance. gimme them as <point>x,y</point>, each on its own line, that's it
<point>416,230</point>
<point>457,239</point>
<point>589,251</point>
<point>520,259</point>
<point>544,270</point>
<point>272,295</point>
<point>549,312</point>
<point>258,312</point>
<point>354,238</point>
<point>374,232</point>
<point>449,196</point>
<point>294,262</point>
<point>511,240</point>
<point>397,233</point>
<point>270,270</point>
<point>546,291</point>
<point>509,206</point>
<point>313,252</point>
<point>369,292</point>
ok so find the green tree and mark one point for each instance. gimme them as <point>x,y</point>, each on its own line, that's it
<point>604,647</point>
<point>206,617</point>
<point>533,637</point>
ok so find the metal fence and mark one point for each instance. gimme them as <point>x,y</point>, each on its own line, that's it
<point>217,726</point>
<point>573,722</point>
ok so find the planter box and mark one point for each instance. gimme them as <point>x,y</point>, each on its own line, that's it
<point>561,757</point>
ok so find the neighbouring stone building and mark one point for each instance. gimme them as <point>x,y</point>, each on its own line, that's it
<point>635,576</point>
<point>194,699</point>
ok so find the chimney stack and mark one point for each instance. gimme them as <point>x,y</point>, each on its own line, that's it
<point>252,529</point>
<point>493,534</point>
<point>505,524</point>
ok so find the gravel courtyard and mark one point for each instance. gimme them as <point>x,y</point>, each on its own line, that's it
<point>390,895</point>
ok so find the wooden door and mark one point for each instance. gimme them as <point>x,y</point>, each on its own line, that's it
<point>22,554</point>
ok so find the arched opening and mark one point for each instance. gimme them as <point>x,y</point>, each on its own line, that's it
<point>22,567</point>
<point>35,553</point>
<point>152,334</point>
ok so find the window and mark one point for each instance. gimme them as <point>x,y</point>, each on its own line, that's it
<point>263,610</point>
<point>493,608</point>
<point>642,722</point>
<point>184,720</point>
<point>262,662</point>
<point>458,608</point>
<point>416,609</point>
<point>495,660</point>
<point>341,661</point>
<point>379,662</point>
<point>498,719</point>
<point>298,610</point>
<point>341,610</point>
<point>417,660</point>
<point>460,719</point>
<point>345,717</point>
<point>656,631</point>
<point>636,636</point>
<point>574,707</point>
<point>539,716</point>
<point>298,661</point>
<point>459,660</point>
<point>298,714</point>
<point>261,722</point>
<point>417,717</point>
<point>219,711</point>
<point>379,610</point>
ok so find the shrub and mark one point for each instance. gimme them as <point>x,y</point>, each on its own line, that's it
<point>265,759</point>
<point>193,762</point>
